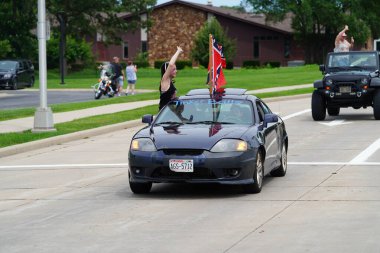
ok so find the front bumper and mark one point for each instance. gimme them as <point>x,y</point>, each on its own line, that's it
<point>6,83</point>
<point>222,168</point>
<point>358,98</point>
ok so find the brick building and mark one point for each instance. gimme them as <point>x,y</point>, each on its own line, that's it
<point>176,22</point>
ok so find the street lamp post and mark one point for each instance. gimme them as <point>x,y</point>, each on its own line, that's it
<point>43,117</point>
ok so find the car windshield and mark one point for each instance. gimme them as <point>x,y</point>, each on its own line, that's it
<point>8,65</point>
<point>350,61</point>
<point>207,111</point>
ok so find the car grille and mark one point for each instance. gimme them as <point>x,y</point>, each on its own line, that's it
<point>179,152</point>
<point>352,84</point>
<point>199,173</point>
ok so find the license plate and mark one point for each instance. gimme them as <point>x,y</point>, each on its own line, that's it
<point>345,89</point>
<point>179,165</point>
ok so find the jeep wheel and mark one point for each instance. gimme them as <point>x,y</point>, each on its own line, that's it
<point>333,111</point>
<point>318,106</point>
<point>31,83</point>
<point>376,105</point>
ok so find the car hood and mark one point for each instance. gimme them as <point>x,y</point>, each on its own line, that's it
<point>191,136</point>
<point>348,75</point>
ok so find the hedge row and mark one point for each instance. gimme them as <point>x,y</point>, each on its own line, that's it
<point>256,64</point>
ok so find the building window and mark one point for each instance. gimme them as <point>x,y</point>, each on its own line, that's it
<point>144,46</point>
<point>256,48</point>
<point>125,50</point>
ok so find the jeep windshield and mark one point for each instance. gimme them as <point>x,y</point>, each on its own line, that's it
<point>8,65</point>
<point>366,61</point>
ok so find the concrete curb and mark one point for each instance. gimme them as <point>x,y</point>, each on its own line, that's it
<point>29,146</point>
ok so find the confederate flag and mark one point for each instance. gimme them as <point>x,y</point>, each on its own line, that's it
<point>218,62</point>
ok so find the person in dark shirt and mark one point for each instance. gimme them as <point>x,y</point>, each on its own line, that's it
<point>168,72</point>
<point>118,78</point>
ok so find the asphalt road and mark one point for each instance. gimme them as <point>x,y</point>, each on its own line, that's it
<point>75,197</point>
<point>12,99</point>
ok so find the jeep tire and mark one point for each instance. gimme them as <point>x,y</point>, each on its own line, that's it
<point>318,106</point>
<point>333,110</point>
<point>376,105</point>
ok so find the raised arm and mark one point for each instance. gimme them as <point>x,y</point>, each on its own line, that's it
<point>340,35</point>
<point>165,82</point>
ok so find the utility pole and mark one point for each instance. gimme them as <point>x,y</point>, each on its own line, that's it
<point>43,117</point>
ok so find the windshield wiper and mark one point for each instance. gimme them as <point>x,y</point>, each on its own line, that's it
<point>169,123</point>
<point>209,122</point>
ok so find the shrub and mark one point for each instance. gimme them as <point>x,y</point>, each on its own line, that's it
<point>272,64</point>
<point>158,64</point>
<point>251,64</point>
<point>183,64</point>
<point>229,64</point>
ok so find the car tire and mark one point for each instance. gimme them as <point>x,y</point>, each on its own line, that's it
<point>281,171</point>
<point>14,84</point>
<point>318,106</point>
<point>258,176</point>
<point>333,111</point>
<point>140,188</point>
<point>376,105</point>
<point>31,83</point>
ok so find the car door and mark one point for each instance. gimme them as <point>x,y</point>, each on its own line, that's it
<point>269,135</point>
<point>21,74</point>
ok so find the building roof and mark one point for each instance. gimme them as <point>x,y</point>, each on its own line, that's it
<point>250,18</point>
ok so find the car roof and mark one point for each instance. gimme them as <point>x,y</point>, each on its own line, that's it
<point>230,93</point>
<point>355,52</point>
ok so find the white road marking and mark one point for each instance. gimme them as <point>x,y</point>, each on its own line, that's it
<point>336,122</point>
<point>63,166</point>
<point>363,156</point>
<point>295,114</point>
<point>336,163</point>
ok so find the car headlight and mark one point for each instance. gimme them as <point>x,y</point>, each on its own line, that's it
<point>329,81</point>
<point>230,145</point>
<point>364,81</point>
<point>8,75</point>
<point>143,144</point>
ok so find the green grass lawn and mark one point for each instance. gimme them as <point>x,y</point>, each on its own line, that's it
<point>188,79</point>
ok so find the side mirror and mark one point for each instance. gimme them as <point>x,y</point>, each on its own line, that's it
<point>374,74</point>
<point>322,68</point>
<point>148,118</point>
<point>270,118</point>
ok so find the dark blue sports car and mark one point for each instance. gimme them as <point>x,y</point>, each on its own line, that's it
<point>228,138</point>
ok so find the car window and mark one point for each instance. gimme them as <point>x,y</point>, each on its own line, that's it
<point>21,65</point>
<point>260,111</point>
<point>231,111</point>
<point>8,65</point>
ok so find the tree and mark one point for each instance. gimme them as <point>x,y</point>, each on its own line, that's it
<point>317,22</point>
<point>200,51</point>
<point>18,19</point>
<point>82,17</point>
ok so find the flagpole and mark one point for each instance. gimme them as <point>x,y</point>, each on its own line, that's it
<point>210,64</point>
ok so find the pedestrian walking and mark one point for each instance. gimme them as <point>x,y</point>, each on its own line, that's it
<point>131,71</point>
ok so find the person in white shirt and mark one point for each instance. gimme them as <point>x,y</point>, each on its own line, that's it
<point>341,43</point>
<point>131,77</point>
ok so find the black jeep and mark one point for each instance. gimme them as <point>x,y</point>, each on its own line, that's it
<point>351,79</point>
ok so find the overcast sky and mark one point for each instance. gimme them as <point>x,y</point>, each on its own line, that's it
<point>214,2</point>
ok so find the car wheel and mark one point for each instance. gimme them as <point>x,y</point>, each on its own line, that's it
<point>333,111</point>
<point>281,171</point>
<point>258,176</point>
<point>376,105</point>
<point>31,83</point>
<point>318,106</point>
<point>14,85</point>
<point>140,188</point>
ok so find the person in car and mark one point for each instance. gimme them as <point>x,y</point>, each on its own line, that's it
<point>341,43</point>
<point>168,73</point>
